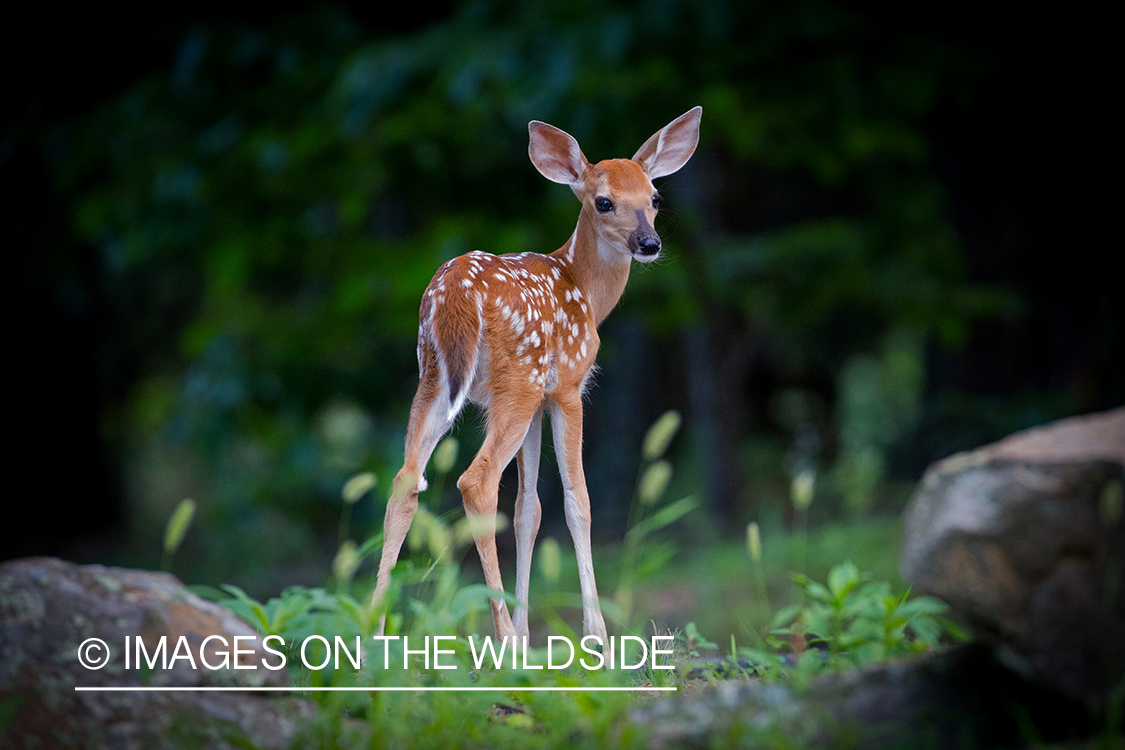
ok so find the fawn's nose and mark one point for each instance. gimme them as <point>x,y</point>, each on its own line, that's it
<point>648,245</point>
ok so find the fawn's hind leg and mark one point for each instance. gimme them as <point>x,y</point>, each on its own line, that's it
<point>509,415</point>
<point>527,515</point>
<point>430,419</point>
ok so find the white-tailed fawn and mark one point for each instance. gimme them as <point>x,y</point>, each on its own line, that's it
<point>518,335</point>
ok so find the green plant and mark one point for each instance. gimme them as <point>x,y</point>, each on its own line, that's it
<point>354,489</point>
<point>644,516</point>
<point>851,621</point>
<point>691,641</point>
<point>846,621</point>
<point>437,603</point>
<point>802,488</point>
<point>174,532</point>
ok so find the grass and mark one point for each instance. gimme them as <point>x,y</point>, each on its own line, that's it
<point>697,595</point>
<point>651,584</point>
<point>714,586</point>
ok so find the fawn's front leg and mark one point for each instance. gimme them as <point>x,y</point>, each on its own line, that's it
<point>566,426</point>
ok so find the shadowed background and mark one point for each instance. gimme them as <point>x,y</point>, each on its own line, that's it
<point>888,247</point>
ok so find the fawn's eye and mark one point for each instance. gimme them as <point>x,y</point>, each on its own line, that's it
<point>603,205</point>
<point>656,201</point>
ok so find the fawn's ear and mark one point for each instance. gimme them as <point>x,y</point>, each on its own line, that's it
<point>556,154</point>
<point>670,147</point>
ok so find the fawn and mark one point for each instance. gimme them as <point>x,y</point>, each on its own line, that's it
<point>517,334</point>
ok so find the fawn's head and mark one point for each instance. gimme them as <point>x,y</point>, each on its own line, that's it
<point>617,195</point>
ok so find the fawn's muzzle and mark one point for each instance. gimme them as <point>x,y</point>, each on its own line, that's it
<point>644,240</point>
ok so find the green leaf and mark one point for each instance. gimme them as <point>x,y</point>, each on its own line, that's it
<point>842,579</point>
<point>694,636</point>
<point>359,615</point>
<point>203,591</point>
<point>785,615</point>
<point>813,589</point>
<point>253,606</point>
<point>654,561</point>
<point>294,603</point>
<point>923,605</point>
<point>666,516</point>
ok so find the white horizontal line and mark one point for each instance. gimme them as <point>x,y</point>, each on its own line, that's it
<point>504,688</point>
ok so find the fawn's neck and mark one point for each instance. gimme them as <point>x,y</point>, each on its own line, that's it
<point>600,270</point>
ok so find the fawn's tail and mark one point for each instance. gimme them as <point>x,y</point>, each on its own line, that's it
<point>454,328</point>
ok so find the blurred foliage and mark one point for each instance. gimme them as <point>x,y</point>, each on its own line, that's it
<point>267,213</point>
<point>437,602</point>
<point>850,621</point>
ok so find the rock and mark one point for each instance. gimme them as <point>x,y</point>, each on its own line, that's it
<point>1025,540</point>
<point>952,699</point>
<point>49,607</point>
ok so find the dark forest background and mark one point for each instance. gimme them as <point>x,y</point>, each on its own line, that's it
<point>895,242</point>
